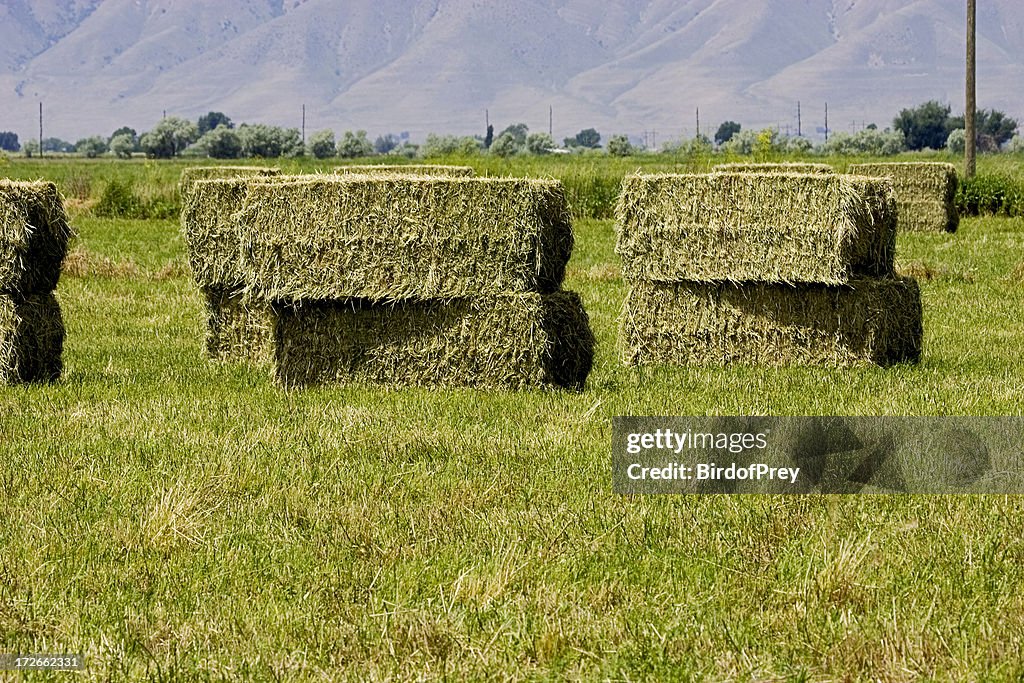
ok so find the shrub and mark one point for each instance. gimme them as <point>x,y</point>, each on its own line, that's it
<point>957,141</point>
<point>321,144</point>
<point>619,146</point>
<point>354,145</point>
<point>995,194</point>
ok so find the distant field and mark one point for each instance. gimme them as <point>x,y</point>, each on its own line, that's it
<point>175,519</point>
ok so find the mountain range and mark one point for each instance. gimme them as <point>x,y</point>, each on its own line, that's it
<point>640,67</point>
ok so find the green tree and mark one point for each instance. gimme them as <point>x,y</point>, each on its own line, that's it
<point>122,145</point>
<point>91,147</point>
<point>505,145</point>
<point>30,148</point>
<point>169,137</point>
<point>384,144</point>
<point>57,145</point>
<point>321,144</point>
<point>489,138</point>
<point>211,120</point>
<point>619,146</point>
<point>354,145</point>
<point>993,128</point>
<point>957,141</point>
<point>539,143</point>
<point>926,125</point>
<point>269,142</point>
<point>220,143</point>
<point>9,141</point>
<point>726,131</point>
<point>126,130</point>
<point>588,137</point>
<point>518,131</point>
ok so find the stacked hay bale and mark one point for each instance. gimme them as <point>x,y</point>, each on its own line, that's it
<point>399,279</point>
<point>925,193</point>
<point>34,236</point>
<point>769,268</point>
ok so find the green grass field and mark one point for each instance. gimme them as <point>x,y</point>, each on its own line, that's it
<point>175,519</point>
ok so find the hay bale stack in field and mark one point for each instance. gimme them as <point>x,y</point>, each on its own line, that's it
<point>416,169</point>
<point>393,278</point>
<point>34,234</point>
<point>784,167</point>
<point>925,193</point>
<point>763,268</point>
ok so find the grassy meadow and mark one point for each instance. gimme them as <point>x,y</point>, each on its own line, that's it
<point>175,519</point>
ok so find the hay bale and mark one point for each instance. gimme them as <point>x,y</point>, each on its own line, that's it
<point>785,167</point>
<point>34,235</point>
<point>238,327</point>
<point>870,320</point>
<point>415,169</point>
<point>31,338</point>
<point>195,173</point>
<point>380,237</point>
<point>765,227</point>
<point>511,341</point>
<point>925,193</point>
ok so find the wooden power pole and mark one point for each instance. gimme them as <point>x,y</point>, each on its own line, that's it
<point>970,137</point>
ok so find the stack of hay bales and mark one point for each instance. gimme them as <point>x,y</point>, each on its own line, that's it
<point>34,236</point>
<point>763,268</point>
<point>398,279</point>
<point>925,193</point>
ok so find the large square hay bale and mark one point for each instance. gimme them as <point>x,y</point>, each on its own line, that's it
<point>31,338</point>
<point>34,235</point>
<point>379,236</point>
<point>783,167</point>
<point>238,327</point>
<point>415,169</point>
<point>508,341</point>
<point>925,193</point>
<point>870,320</point>
<point>765,227</point>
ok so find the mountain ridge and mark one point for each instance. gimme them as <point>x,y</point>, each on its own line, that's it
<point>621,66</point>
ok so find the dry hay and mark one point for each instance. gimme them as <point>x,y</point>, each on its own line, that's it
<point>415,169</point>
<point>380,237</point>
<point>31,338</point>
<point>766,227</point>
<point>510,341</point>
<point>238,327</point>
<point>925,193</point>
<point>871,320</point>
<point>195,173</point>
<point>34,235</point>
<point>785,167</point>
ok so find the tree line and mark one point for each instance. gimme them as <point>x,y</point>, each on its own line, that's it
<point>928,126</point>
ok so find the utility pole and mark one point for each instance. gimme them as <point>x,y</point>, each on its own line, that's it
<point>799,131</point>
<point>972,103</point>
<point>698,121</point>
<point>826,122</point>
<point>303,126</point>
<point>551,122</point>
<point>40,130</point>
<point>487,119</point>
